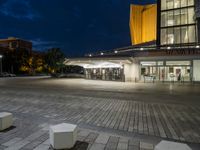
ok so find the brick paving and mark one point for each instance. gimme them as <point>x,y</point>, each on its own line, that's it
<point>104,123</point>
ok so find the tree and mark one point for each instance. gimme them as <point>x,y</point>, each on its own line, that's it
<point>54,59</point>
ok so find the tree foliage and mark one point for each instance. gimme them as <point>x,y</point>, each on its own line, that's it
<point>54,59</point>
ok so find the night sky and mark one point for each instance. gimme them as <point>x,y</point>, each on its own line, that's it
<point>75,26</point>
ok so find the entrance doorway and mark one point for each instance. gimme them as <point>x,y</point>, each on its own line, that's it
<point>109,74</point>
<point>166,71</point>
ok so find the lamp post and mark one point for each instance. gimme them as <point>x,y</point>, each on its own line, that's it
<point>1,56</point>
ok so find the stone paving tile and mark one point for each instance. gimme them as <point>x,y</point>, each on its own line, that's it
<point>136,117</point>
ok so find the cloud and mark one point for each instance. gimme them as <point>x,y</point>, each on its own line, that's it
<point>40,44</point>
<point>19,9</point>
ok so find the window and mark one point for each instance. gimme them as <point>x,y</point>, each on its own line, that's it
<point>177,4</point>
<point>170,19</point>
<point>178,24</point>
<point>191,15</point>
<point>177,35</point>
<point>163,5</point>
<point>191,34</point>
<point>177,18</point>
<point>183,3</point>
<point>170,4</point>
<point>164,36</point>
<point>163,19</point>
<point>170,36</point>
<point>184,35</point>
<point>190,2</point>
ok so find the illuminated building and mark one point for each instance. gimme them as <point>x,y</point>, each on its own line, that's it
<point>164,48</point>
<point>10,49</point>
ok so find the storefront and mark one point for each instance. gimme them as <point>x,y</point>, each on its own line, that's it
<point>108,69</point>
<point>170,65</point>
<point>108,74</point>
<point>166,70</point>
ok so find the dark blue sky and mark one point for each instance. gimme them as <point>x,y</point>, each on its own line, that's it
<point>76,26</point>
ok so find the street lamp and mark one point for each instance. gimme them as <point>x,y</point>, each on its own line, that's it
<point>1,56</point>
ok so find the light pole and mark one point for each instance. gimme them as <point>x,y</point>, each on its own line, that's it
<point>1,56</point>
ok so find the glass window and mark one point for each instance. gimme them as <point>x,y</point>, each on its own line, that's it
<point>148,63</point>
<point>178,63</point>
<point>170,18</point>
<point>183,3</point>
<point>177,35</point>
<point>177,3</point>
<point>163,19</point>
<point>191,34</point>
<point>163,5</point>
<point>177,17</point>
<point>190,2</point>
<point>170,4</point>
<point>191,15</point>
<point>184,15</point>
<point>170,36</point>
<point>184,35</point>
<point>164,36</point>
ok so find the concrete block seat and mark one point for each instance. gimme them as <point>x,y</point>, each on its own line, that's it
<point>6,120</point>
<point>167,145</point>
<point>63,136</point>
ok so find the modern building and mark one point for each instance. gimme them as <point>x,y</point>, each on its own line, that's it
<point>163,50</point>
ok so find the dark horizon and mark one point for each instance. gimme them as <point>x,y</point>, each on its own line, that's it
<point>76,27</point>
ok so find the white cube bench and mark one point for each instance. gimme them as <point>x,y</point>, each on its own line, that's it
<point>167,145</point>
<point>6,120</point>
<point>63,136</point>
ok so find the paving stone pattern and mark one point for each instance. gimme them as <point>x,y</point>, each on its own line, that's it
<point>35,137</point>
<point>177,122</point>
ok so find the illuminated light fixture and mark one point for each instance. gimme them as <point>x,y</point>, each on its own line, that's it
<point>141,49</point>
<point>101,53</point>
<point>1,56</point>
<point>90,55</point>
<point>168,47</point>
<point>197,46</point>
<point>116,52</point>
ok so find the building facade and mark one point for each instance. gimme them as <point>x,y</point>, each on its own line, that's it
<point>175,56</point>
<point>13,43</point>
<point>177,22</point>
<point>12,50</point>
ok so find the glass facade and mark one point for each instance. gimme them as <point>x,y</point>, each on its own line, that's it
<point>109,74</point>
<point>166,70</point>
<point>178,24</point>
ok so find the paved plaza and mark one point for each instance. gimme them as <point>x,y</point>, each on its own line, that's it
<point>110,115</point>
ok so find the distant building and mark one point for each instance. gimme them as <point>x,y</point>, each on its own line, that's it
<point>13,50</point>
<point>13,43</point>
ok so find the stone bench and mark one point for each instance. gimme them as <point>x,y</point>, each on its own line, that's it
<point>167,145</point>
<point>6,120</point>
<point>63,136</point>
